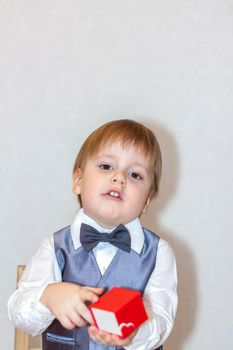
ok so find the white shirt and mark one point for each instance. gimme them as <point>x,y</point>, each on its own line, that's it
<point>160,297</point>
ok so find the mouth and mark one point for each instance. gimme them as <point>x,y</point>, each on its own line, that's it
<point>114,195</point>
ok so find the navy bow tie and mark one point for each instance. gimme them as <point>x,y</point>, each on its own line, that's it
<point>119,237</point>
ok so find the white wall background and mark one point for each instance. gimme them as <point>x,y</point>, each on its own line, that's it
<point>68,66</point>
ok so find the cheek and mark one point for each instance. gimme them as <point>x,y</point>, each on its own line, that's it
<point>144,195</point>
<point>143,191</point>
<point>90,188</point>
<point>139,196</point>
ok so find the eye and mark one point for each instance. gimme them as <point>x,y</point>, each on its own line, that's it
<point>135,176</point>
<point>105,166</point>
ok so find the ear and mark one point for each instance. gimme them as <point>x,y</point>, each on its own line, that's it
<point>146,204</point>
<point>77,179</point>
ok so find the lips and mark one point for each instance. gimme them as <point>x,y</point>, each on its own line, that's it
<point>114,194</point>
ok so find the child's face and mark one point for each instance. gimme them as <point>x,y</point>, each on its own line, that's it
<point>114,185</point>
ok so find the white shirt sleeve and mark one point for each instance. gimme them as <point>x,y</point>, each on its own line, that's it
<point>24,306</point>
<point>160,300</point>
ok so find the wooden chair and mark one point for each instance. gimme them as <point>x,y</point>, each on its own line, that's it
<point>24,341</point>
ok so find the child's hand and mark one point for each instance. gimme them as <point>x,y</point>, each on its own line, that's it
<point>108,338</point>
<point>67,302</point>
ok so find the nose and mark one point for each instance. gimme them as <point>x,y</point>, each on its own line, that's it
<point>119,177</point>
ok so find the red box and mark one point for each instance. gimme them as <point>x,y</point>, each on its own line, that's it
<point>119,311</point>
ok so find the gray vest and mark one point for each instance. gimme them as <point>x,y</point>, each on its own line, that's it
<point>128,270</point>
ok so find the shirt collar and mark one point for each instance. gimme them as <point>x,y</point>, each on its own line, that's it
<point>134,227</point>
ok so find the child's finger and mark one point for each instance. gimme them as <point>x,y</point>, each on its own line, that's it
<point>109,339</point>
<point>96,290</point>
<point>100,336</point>
<point>82,310</point>
<point>97,335</point>
<point>77,319</point>
<point>66,322</point>
<point>103,337</point>
<point>90,294</point>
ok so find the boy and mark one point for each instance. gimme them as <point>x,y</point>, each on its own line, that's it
<point>115,175</point>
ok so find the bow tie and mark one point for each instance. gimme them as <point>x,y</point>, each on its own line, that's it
<point>119,237</point>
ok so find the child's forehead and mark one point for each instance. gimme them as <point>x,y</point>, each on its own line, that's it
<point>118,145</point>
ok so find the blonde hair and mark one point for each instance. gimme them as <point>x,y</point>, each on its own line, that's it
<point>127,132</point>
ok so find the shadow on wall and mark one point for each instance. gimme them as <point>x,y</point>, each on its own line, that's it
<point>187,283</point>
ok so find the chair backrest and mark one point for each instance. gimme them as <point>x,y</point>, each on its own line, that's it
<point>24,341</point>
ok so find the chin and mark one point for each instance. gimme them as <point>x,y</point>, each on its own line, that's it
<point>108,222</point>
